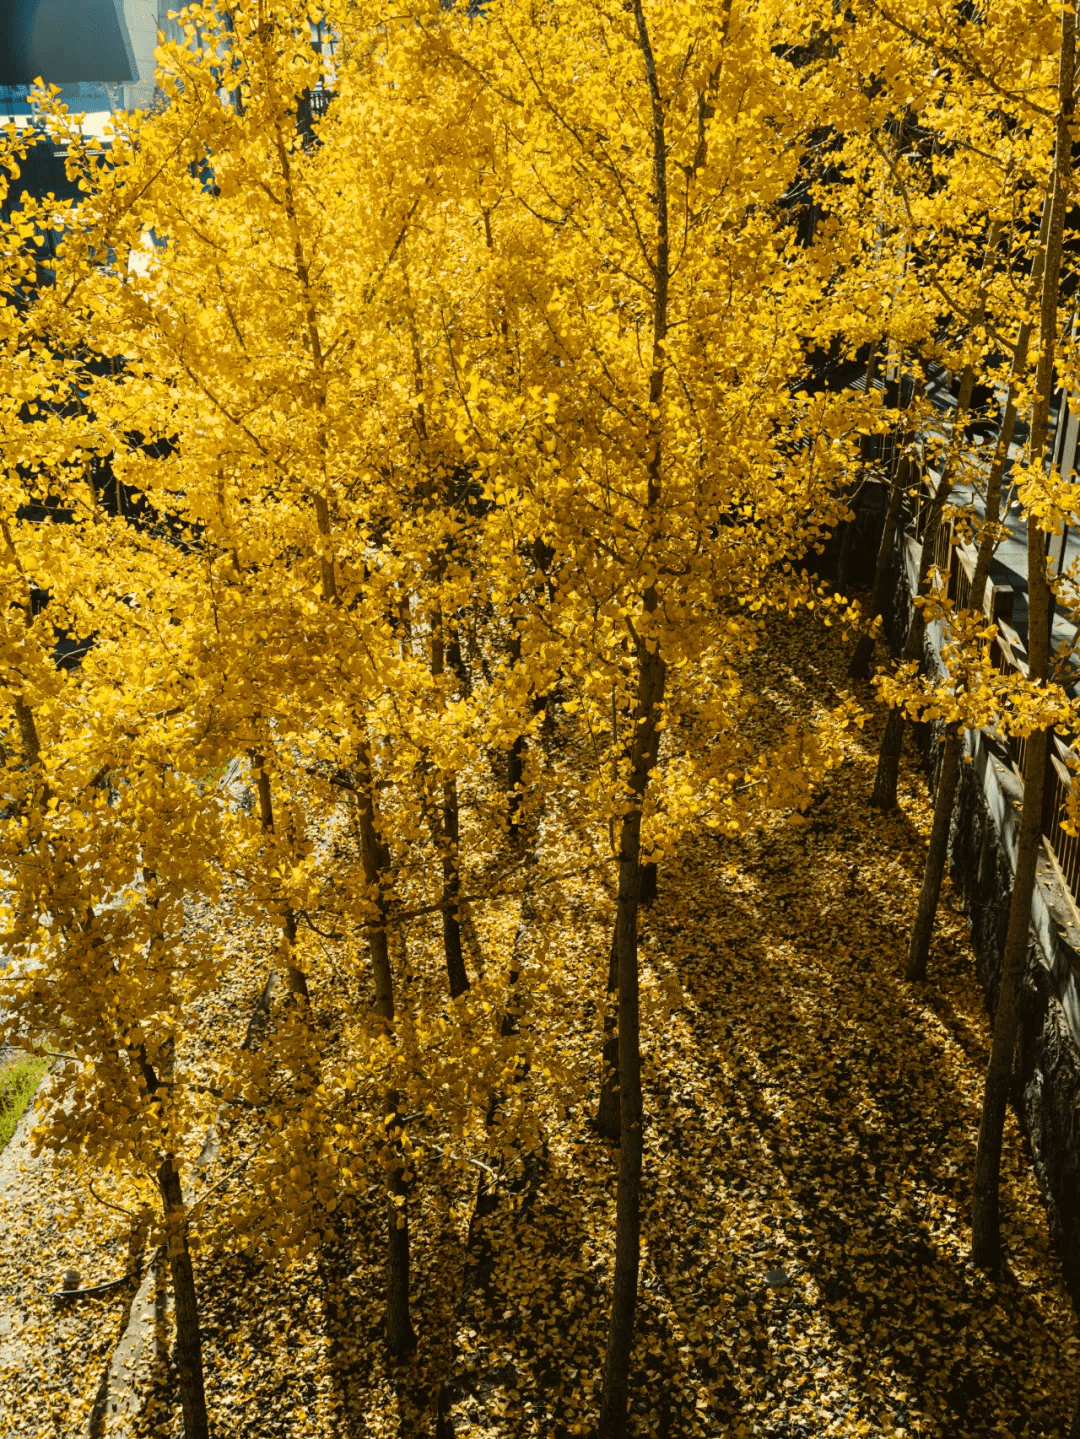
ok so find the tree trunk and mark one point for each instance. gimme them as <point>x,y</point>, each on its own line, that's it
<point>515,765</point>
<point>985,1220</point>
<point>373,860</point>
<point>608,1117</point>
<point>888,767</point>
<point>859,668</point>
<point>451,923</point>
<point>400,1338</point>
<point>295,978</point>
<point>616,1380</point>
<point>643,756</point>
<point>189,1366</point>
<point>923,928</point>
<point>448,838</point>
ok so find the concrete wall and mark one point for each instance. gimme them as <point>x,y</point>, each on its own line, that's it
<point>982,858</point>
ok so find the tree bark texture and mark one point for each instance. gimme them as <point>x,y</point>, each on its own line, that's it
<point>295,978</point>
<point>189,1367</point>
<point>888,766</point>
<point>451,922</point>
<point>923,928</point>
<point>373,860</point>
<point>985,1215</point>
<point>400,1337</point>
<point>864,649</point>
<point>448,838</point>
<point>608,1115</point>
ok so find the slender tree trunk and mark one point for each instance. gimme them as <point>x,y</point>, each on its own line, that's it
<point>628,1230</point>
<point>847,543</point>
<point>373,860</point>
<point>400,1337</point>
<point>608,1114</point>
<point>919,946</point>
<point>650,697</point>
<point>448,837</point>
<point>879,594</point>
<point>888,766</point>
<point>189,1367</point>
<point>295,978</point>
<point>945,798</point>
<point>608,1121</point>
<point>1074,1427</point>
<point>985,1219</point>
<point>451,922</point>
<point>515,765</point>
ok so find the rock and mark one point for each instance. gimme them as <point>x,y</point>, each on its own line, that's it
<point>777,1278</point>
<point>71,1279</point>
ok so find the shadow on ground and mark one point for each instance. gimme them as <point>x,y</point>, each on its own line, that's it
<point>808,1111</point>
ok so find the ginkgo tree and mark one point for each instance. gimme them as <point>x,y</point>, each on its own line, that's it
<point>658,454</point>
<point>463,417</point>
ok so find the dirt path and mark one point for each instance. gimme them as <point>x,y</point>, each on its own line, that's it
<point>53,1356</point>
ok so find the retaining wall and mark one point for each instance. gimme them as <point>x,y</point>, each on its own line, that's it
<point>982,861</point>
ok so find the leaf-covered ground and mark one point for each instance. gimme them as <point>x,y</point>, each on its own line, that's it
<point>807,1111</point>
